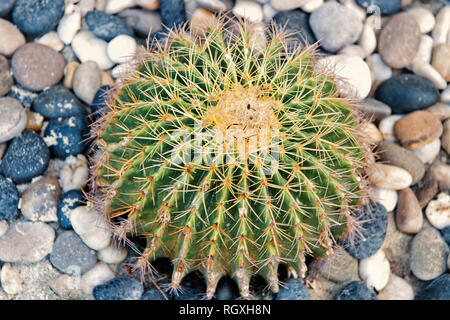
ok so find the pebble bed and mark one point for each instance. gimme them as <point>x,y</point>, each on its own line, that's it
<point>58,57</point>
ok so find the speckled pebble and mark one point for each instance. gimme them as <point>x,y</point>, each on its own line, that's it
<point>356,290</point>
<point>105,26</point>
<point>293,289</point>
<point>439,289</point>
<point>119,288</point>
<point>13,118</point>
<point>99,274</point>
<point>438,211</point>
<point>68,201</point>
<point>9,199</point>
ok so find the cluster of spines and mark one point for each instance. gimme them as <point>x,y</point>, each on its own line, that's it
<point>238,218</point>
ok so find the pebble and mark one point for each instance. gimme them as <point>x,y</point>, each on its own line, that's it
<point>285,5</point>
<point>371,132</point>
<point>446,235</point>
<point>293,289</point>
<point>24,96</point>
<point>51,40</point>
<point>105,26</point>
<point>355,77</point>
<point>69,201</point>
<point>11,37</point>
<point>387,198</point>
<point>441,172</point>
<point>40,200</point>
<point>399,41</point>
<point>440,110</point>
<point>112,254</point>
<point>407,92</point>
<point>248,10</point>
<point>69,26</point>
<point>428,152</point>
<point>9,199</point>
<point>393,154</point>
<point>356,290</point>
<point>442,28</point>
<point>193,289</point>
<point>36,66</point>
<point>445,95</point>
<point>57,102</point>
<point>37,17</point>
<point>69,73</point>
<point>372,231</point>
<point>428,254</point>
<point>143,22</point>
<point>386,7</point>
<point>13,118</point>
<point>438,211</point>
<point>154,4</point>
<point>441,61</point>
<point>216,5</point>
<point>375,270</point>
<point>417,129</point>
<point>311,5</point>
<point>373,109</point>
<point>173,12</point>
<point>201,20</point>
<point>91,227</point>
<point>408,216</point>
<point>445,138</point>
<point>119,288</point>
<point>26,157</point>
<point>6,79</point>
<point>70,255</point>
<point>74,173</point>
<point>34,121</point>
<point>11,279</point>
<point>6,6</point>
<point>26,242</point>
<point>87,80</point>
<point>429,72</point>
<point>340,267</point>
<point>115,6</point>
<point>343,26</point>
<point>389,177</point>
<point>152,294</point>
<point>122,48</point>
<point>386,127</point>
<point>353,50</point>
<point>424,52</point>
<point>439,289</point>
<point>99,274</point>
<point>296,22</point>
<point>368,40</point>
<point>426,189</point>
<point>424,18</point>
<point>88,47</point>
<point>396,289</point>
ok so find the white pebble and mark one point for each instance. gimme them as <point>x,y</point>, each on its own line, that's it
<point>122,48</point>
<point>396,289</point>
<point>368,40</point>
<point>424,51</point>
<point>285,5</point>
<point>69,26</point>
<point>99,274</point>
<point>115,6</point>
<point>121,70</point>
<point>375,270</point>
<point>269,12</point>
<point>11,280</point>
<point>311,5</point>
<point>3,227</point>
<point>428,152</point>
<point>424,18</point>
<point>51,40</point>
<point>438,211</point>
<point>428,71</point>
<point>92,227</point>
<point>389,177</point>
<point>445,95</point>
<point>386,127</point>
<point>380,70</point>
<point>249,10</point>
<point>360,12</point>
<point>112,254</point>
<point>353,50</point>
<point>88,47</point>
<point>74,173</point>
<point>85,6</point>
<point>388,198</point>
<point>442,29</point>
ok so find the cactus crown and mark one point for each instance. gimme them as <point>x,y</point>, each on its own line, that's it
<point>228,158</point>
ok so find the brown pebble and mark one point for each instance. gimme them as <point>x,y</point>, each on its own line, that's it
<point>418,129</point>
<point>107,79</point>
<point>36,66</point>
<point>441,60</point>
<point>34,121</point>
<point>148,4</point>
<point>426,189</point>
<point>408,215</point>
<point>399,40</point>
<point>69,72</point>
<point>440,110</point>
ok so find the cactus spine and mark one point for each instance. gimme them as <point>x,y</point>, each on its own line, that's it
<point>230,159</point>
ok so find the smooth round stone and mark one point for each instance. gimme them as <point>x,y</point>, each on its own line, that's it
<point>429,72</point>
<point>446,234</point>
<point>386,7</point>
<point>438,211</point>
<point>441,60</point>
<point>408,216</point>
<point>428,152</point>
<point>37,17</point>
<point>11,280</point>
<point>428,254</point>
<point>26,242</point>
<point>122,48</point>
<point>389,177</point>
<point>87,80</point>
<point>40,200</point>
<point>375,270</point>
<point>105,26</point>
<point>74,173</point>
<point>143,22</point>
<point>371,132</point>
<point>70,255</point>
<point>439,289</point>
<point>417,129</point>
<point>119,288</point>
<point>440,110</point>
<point>293,289</point>
<point>424,18</point>
<point>88,47</point>
<point>6,79</point>
<point>3,227</point>
<point>152,294</point>
<point>441,172</point>
<point>393,154</point>
<point>340,267</point>
<point>407,92</point>
<point>426,189</point>
<point>154,4</point>
<point>51,40</point>
<point>356,290</point>
<point>115,6</point>
<point>91,227</point>
<point>341,29</point>
<point>26,157</point>
<point>172,12</point>
<point>373,109</point>
<point>112,254</point>
<point>6,6</point>
<point>11,37</point>
<point>374,219</point>
<point>387,198</point>
<point>396,289</point>
<point>386,127</point>
<point>214,5</point>
<point>13,118</point>
<point>9,199</point>
<point>296,21</point>
<point>442,27</point>
<point>399,41</point>
<point>36,66</point>
<point>285,5</point>
<point>99,274</point>
<point>69,26</point>
<point>445,138</point>
<point>69,201</point>
<point>248,10</point>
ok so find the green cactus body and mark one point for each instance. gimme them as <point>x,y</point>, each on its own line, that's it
<point>230,160</point>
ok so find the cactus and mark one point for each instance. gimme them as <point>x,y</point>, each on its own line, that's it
<point>230,158</point>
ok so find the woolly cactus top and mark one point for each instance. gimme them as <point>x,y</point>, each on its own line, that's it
<point>230,158</point>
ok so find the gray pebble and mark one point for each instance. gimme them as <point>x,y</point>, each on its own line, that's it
<point>87,80</point>
<point>13,118</point>
<point>142,21</point>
